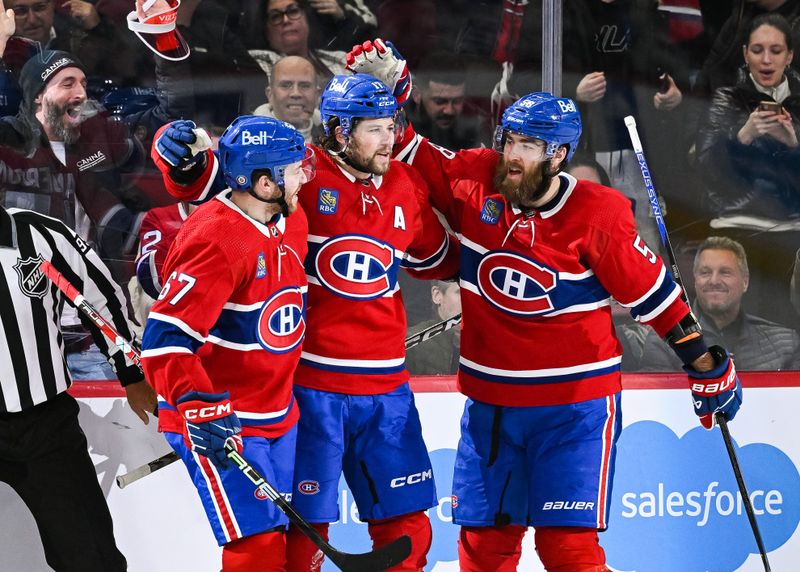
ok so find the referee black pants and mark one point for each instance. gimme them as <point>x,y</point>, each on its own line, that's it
<point>44,457</point>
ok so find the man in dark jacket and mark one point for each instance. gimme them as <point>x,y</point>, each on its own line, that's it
<point>721,278</point>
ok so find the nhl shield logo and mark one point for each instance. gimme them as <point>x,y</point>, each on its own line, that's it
<point>32,280</point>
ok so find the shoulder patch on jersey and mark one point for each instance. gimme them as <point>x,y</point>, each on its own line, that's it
<point>261,266</point>
<point>327,201</point>
<point>491,211</point>
<point>32,280</point>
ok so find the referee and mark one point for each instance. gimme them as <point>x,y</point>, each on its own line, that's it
<point>43,451</point>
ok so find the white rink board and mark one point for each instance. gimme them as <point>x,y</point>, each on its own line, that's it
<point>160,526</point>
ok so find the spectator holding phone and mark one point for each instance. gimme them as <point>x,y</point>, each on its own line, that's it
<point>749,159</point>
<point>747,145</point>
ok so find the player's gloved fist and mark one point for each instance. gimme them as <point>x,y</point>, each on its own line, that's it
<point>172,143</point>
<point>382,60</point>
<point>716,390</point>
<point>210,422</point>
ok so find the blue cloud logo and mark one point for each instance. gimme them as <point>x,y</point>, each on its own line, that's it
<point>676,505</point>
<point>350,534</point>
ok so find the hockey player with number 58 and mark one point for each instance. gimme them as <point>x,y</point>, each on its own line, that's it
<point>541,256</point>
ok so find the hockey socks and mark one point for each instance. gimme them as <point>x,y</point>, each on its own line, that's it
<point>495,548</point>
<point>570,549</point>
<point>416,525</point>
<point>265,552</point>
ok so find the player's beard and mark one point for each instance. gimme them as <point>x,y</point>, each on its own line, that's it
<point>365,164</point>
<point>54,118</point>
<point>532,186</point>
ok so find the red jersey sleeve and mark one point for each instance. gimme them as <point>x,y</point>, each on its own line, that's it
<point>199,282</point>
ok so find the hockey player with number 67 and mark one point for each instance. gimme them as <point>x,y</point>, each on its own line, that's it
<point>223,339</point>
<point>542,255</point>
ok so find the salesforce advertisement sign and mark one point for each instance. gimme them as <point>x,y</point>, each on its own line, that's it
<point>675,504</point>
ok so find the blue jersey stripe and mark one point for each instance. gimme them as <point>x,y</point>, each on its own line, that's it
<point>353,369</point>
<point>656,298</point>
<point>158,334</point>
<point>575,376</point>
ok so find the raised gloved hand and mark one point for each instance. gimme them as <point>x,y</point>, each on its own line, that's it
<point>179,142</point>
<point>382,61</point>
<point>210,422</point>
<point>716,390</point>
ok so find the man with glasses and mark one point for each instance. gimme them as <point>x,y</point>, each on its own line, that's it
<point>292,30</point>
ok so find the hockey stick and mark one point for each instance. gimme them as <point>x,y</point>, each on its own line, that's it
<point>630,123</point>
<point>411,341</point>
<point>84,306</point>
<point>431,331</point>
<point>130,352</point>
<point>379,559</point>
<point>139,472</point>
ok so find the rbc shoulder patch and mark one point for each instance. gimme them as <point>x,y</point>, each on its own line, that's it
<point>327,201</point>
<point>491,211</point>
<point>261,266</point>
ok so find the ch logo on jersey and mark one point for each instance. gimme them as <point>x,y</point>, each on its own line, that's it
<point>281,324</point>
<point>328,201</point>
<point>491,211</point>
<point>308,487</point>
<point>516,284</point>
<point>356,266</point>
<point>32,280</point>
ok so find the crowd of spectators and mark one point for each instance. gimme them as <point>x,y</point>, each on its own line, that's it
<point>714,86</point>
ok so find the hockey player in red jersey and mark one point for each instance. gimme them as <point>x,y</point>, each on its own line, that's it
<point>368,217</point>
<point>223,340</point>
<point>542,255</point>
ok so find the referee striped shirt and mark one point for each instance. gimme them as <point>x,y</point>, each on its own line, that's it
<point>33,367</point>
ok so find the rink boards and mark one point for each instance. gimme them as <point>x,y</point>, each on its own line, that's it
<point>675,503</point>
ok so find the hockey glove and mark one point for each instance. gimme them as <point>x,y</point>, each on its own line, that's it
<point>381,60</point>
<point>180,142</point>
<point>210,422</point>
<point>715,390</point>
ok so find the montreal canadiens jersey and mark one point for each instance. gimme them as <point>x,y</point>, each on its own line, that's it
<point>360,235</point>
<point>231,316</point>
<point>159,228</point>
<point>536,286</point>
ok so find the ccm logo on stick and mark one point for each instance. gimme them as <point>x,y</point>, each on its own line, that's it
<point>413,479</point>
<point>208,412</point>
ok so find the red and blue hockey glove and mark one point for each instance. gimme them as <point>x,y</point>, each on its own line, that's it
<point>210,422</point>
<point>179,143</point>
<point>716,390</point>
<point>381,60</point>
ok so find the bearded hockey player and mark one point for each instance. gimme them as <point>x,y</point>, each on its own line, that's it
<point>223,339</point>
<point>542,255</point>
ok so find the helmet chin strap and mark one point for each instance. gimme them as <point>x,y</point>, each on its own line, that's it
<point>280,201</point>
<point>350,162</point>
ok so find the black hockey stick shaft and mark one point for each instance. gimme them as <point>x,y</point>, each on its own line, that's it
<point>381,558</point>
<point>141,472</point>
<point>630,123</point>
<point>432,331</point>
